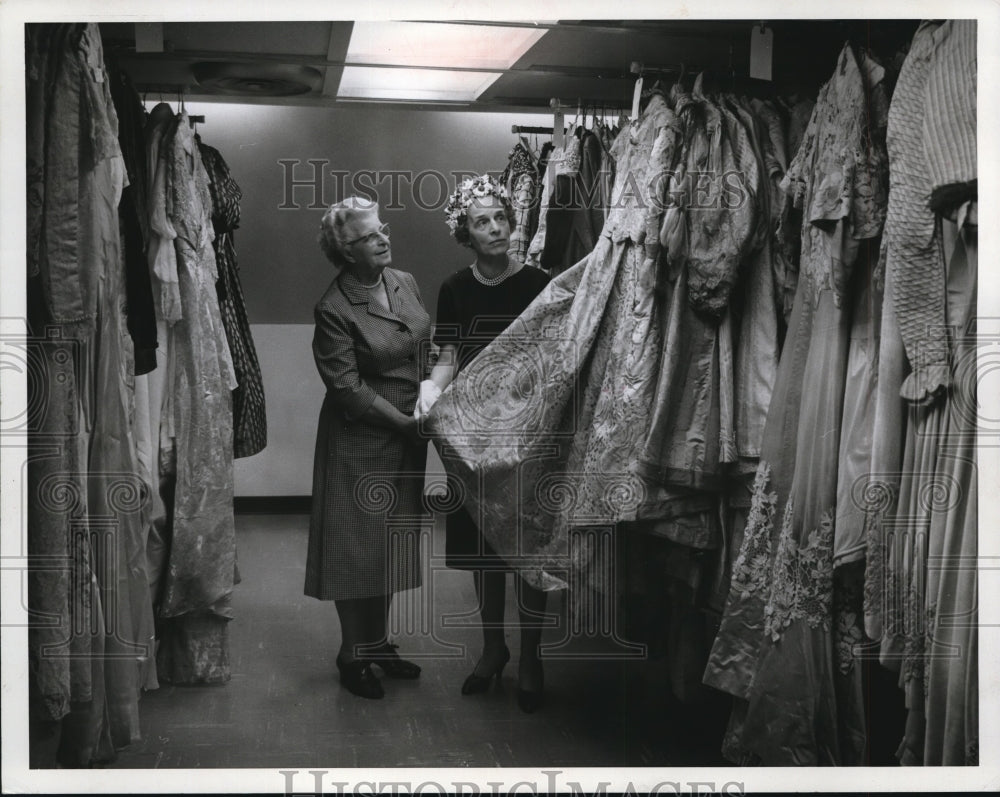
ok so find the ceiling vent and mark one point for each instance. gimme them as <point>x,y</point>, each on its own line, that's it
<point>257,79</point>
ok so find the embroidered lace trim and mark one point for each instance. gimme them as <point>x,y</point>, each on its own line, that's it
<point>848,634</point>
<point>752,566</point>
<point>875,575</point>
<point>802,578</point>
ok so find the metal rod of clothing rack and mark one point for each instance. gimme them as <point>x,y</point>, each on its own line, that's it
<point>640,69</point>
<point>533,129</point>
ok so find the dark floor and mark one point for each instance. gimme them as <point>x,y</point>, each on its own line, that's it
<point>284,706</point>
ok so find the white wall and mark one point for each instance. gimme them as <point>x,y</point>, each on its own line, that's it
<point>293,394</point>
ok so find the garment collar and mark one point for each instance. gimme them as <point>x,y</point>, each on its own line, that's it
<point>356,293</point>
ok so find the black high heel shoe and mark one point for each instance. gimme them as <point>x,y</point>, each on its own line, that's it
<point>358,678</point>
<point>530,701</point>
<point>475,684</point>
<point>386,657</point>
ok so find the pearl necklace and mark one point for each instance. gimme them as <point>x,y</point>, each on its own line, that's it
<point>373,285</point>
<point>491,281</point>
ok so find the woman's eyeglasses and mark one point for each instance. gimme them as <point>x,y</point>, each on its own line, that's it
<point>372,237</point>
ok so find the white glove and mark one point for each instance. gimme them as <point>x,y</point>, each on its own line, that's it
<point>429,393</point>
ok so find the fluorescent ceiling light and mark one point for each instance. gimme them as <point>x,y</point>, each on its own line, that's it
<point>433,44</point>
<point>423,44</point>
<point>413,84</point>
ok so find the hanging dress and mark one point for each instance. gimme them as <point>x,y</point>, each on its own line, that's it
<point>521,179</point>
<point>249,412</point>
<point>84,496</point>
<point>575,215</point>
<point>775,647</point>
<point>196,454</point>
<point>693,435</point>
<point>952,693</point>
<point>915,274</point>
<point>921,582</point>
<point>756,344</point>
<point>560,160</point>
<point>542,428</point>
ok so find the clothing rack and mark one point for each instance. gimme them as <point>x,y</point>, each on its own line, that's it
<point>728,81</point>
<point>192,120</point>
<point>559,108</point>
<point>533,129</point>
<point>641,70</point>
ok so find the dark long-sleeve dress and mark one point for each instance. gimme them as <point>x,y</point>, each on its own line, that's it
<point>470,316</point>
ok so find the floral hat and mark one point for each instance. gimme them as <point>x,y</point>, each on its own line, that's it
<point>469,190</point>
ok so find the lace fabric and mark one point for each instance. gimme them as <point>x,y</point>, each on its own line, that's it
<point>569,164</point>
<point>801,578</point>
<point>750,571</point>
<point>839,176</point>
<point>875,570</point>
<point>848,625</point>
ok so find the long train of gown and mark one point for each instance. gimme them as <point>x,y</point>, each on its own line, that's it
<point>541,432</point>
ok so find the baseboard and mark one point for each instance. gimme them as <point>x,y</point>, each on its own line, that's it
<point>273,504</point>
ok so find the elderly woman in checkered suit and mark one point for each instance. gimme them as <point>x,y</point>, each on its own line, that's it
<point>369,345</point>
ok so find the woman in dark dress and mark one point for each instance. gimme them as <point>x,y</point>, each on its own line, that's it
<point>475,305</point>
<point>371,328</point>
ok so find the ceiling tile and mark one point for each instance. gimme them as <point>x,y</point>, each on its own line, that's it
<point>301,38</point>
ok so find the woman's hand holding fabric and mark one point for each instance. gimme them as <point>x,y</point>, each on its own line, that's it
<point>429,393</point>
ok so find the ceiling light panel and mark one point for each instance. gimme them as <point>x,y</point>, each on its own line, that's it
<point>433,44</point>
<point>413,84</point>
